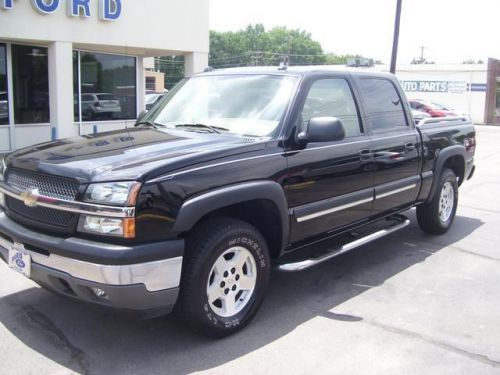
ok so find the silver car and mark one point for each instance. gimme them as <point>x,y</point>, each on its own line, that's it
<point>100,106</point>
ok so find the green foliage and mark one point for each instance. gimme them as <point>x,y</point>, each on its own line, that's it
<point>173,67</point>
<point>472,61</point>
<point>333,59</point>
<point>256,46</point>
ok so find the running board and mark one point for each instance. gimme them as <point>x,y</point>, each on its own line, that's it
<point>399,222</point>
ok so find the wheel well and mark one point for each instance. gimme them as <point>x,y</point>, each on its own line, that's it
<point>262,214</point>
<point>456,164</point>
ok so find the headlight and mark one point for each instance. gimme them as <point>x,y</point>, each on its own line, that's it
<point>107,226</point>
<point>3,168</point>
<point>113,193</point>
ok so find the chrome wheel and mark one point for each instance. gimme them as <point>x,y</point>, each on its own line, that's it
<point>446,202</point>
<point>232,281</point>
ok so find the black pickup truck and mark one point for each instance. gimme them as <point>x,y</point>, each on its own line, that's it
<point>232,173</point>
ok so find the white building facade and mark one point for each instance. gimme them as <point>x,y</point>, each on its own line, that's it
<point>472,89</point>
<point>68,67</point>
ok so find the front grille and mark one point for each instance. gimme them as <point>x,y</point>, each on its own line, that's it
<point>41,214</point>
<point>48,186</point>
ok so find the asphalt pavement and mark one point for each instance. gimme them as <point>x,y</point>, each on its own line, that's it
<point>406,304</point>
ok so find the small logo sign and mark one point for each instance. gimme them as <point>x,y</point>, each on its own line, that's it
<point>30,197</point>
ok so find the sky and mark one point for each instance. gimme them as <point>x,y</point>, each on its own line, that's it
<point>450,30</point>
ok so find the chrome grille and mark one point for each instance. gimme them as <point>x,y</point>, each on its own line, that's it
<point>44,215</point>
<point>48,186</point>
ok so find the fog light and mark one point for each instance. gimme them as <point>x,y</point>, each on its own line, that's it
<point>99,293</point>
<point>2,199</point>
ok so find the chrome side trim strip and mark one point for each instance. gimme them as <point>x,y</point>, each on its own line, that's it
<point>72,206</point>
<point>332,210</point>
<point>308,263</point>
<point>155,276</point>
<point>396,191</point>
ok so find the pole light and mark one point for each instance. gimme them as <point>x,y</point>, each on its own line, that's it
<point>395,41</point>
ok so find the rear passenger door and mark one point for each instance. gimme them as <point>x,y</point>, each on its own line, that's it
<point>395,145</point>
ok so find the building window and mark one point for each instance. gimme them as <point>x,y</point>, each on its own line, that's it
<point>30,72</point>
<point>151,84</point>
<point>108,89</point>
<point>4,97</point>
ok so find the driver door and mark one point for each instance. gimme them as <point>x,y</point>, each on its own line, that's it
<point>331,183</point>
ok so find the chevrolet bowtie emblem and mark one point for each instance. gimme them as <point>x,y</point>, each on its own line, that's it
<point>30,197</point>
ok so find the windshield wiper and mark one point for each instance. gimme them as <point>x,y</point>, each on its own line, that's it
<point>150,123</point>
<point>211,128</point>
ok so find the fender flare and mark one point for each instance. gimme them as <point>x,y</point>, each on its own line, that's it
<point>195,208</point>
<point>444,155</point>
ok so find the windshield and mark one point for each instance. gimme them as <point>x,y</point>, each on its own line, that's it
<point>241,104</point>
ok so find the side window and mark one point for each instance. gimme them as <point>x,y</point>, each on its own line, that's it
<point>332,98</point>
<point>383,104</point>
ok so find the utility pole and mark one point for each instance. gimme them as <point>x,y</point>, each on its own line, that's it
<point>422,48</point>
<point>395,42</point>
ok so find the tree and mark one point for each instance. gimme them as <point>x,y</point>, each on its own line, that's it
<point>256,46</point>
<point>173,67</point>
<point>472,61</point>
<point>333,59</point>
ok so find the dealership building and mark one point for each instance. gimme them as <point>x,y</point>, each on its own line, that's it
<point>68,66</point>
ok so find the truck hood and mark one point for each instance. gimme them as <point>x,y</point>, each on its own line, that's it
<point>129,154</point>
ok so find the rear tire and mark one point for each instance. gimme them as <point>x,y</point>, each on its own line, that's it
<point>436,216</point>
<point>225,277</point>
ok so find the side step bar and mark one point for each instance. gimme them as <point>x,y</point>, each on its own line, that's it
<point>399,222</point>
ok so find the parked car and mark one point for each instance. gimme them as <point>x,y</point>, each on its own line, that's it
<point>100,106</point>
<point>418,116</point>
<point>239,171</point>
<point>431,108</point>
<point>152,99</point>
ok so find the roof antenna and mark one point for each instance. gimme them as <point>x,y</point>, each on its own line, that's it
<point>284,63</point>
<point>208,69</point>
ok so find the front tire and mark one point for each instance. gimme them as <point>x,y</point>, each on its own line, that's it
<point>225,276</point>
<point>436,216</point>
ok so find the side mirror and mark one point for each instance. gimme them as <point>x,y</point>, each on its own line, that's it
<point>322,129</point>
<point>142,114</point>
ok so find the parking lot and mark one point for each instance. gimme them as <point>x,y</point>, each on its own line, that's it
<point>409,303</point>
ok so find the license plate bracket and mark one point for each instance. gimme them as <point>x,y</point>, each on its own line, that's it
<point>20,260</point>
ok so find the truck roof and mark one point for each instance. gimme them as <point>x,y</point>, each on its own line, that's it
<point>296,70</point>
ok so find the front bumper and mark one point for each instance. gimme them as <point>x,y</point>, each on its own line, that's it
<point>137,277</point>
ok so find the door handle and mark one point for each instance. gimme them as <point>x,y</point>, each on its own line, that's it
<point>365,155</point>
<point>410,147</point>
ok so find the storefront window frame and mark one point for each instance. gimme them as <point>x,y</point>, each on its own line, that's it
<point>10,85</point>
<point>12,125</point>
<point>80,120</point>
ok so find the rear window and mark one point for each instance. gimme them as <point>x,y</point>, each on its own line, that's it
<point>383,104</point>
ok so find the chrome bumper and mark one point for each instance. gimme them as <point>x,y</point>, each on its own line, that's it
<point>155,276</point>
